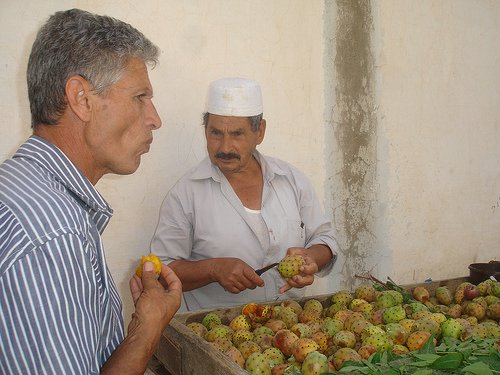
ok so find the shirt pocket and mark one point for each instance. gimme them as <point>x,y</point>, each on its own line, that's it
<point>295,233</point>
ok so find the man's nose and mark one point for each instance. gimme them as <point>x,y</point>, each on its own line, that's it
<point>153,118</point>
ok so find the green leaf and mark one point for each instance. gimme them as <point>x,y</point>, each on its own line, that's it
<point>384,358</point>
<point>428,347</point>
<point>353,364</point>
<point>423,372</point>
<point>391,372</point>
<point>448,361</point>
<point>375,358</point>
<point>427,356</point>
<point>420,364</point>
<point>478,368</point>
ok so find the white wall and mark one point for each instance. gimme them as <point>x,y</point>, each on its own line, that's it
<point>200,41</point>
<point>438,82</point>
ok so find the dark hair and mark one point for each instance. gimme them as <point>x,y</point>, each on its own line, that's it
<point>76,42</point>
<point>254,121</point>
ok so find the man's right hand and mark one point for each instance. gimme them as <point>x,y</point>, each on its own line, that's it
<point>156,300</point>
<point>234,275</point>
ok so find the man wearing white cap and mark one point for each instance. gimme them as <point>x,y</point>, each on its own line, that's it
<point>239,210</point>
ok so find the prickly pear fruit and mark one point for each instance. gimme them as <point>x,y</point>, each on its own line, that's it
<point>284,340</point>
<point>495,289</point>
<point>451,328</point>
<point>149,258</point>
<point>290,265</point>
<point>274,356</point>
<point>366,292</point>
<point>475,309</point>
<point>381,342</point>
<point>275,324</point>
<point>219,331</point>
<point>222,344</point>
<point>331,326</point>
<point>471,291</point>
<point>399,349</point>
<point>240,322</point>
<point>301,330</point>
<point>315,363</point>
<point>344,339</point>
<point>344,354</point>
<point>342,297</point>
<point>385,300</point>
<point>211,320</point>
<point>258,313</point>
<point>365,351</point>
<point>444,296</point>
<point>288,315</point>
<point>303,347</point>
<point>198,328</point>
<point>394,314</point>
<point>257,364</point>
<point>248,347</point>
<point>417,339</point>
<point>321,338</point>
<point>241,335</point>
<point>493,311</point>
<point>235,355</point>
<point>397,333</point>
<point>421,294</point>
<point>293,304</point>
<point>428,325</point>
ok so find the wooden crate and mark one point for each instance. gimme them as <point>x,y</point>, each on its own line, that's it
<point>181,352</point>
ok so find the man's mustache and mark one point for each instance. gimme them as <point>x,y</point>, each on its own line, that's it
<point>223,155</point>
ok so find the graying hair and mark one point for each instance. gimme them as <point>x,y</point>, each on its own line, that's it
<point>76,42</point>
<point>254,121</point>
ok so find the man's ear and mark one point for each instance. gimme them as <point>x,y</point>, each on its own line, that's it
<point>262,131</point>
<point>78,96</point>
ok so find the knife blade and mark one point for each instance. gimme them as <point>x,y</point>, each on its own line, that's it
<point>266,268</point>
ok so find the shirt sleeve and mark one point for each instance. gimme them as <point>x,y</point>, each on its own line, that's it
<point>173,238</point>
<point>49,303</point>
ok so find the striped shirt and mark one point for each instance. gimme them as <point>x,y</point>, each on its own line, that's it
<point>60,312</point>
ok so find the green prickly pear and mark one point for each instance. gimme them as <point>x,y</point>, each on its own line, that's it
<point>394,314</point>
<point>451,328</point>
<point>290,265</point>
<point>444,295</point>
<point>315,363</point>
<point>211,320</point>
<point>257,364</point>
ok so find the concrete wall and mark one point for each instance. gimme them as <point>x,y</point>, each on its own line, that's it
<point>413,150</point>
<point>438,137</point>
<point>391,107</point>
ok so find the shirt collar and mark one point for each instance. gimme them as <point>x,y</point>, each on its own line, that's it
<point>206,169</point>
<point>51,158</point>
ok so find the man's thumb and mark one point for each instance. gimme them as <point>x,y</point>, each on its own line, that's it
<point>148,267</point>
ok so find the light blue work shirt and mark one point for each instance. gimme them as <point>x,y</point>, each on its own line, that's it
<point>202,217</point>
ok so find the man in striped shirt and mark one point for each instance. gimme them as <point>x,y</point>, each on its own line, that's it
<point>92,114</point>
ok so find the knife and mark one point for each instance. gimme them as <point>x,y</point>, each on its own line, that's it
<point>266,268</point>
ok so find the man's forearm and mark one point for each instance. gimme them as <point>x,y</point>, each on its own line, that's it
<point>321,254</point>
<point>194,274</point>
<point>133,354</point>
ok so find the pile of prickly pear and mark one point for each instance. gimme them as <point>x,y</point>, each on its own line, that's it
<point>349,329</point>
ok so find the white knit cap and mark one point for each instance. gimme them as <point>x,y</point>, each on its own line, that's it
<point>234,97</point>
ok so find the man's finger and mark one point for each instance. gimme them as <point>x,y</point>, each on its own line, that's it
<point>168,277</point>
<point>135,287</point>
